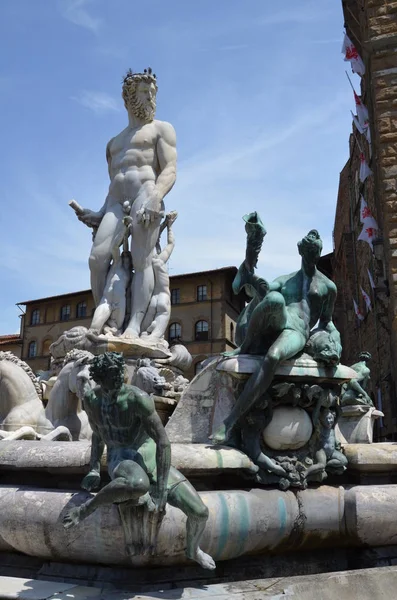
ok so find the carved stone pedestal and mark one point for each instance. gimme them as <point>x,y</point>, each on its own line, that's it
<point>356,424</point>
<point>289,435</point>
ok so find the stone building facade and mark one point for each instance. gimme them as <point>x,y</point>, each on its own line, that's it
<point>372,26</point>
<point>203,316</point>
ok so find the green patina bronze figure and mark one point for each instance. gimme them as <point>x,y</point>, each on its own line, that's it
<point>124,418</point>
<point>277,323</point>
<point>326,449</point>
<point>355,391</point>
<point>256,287</point>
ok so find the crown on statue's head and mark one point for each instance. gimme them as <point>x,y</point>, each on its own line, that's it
<point>147,76</point>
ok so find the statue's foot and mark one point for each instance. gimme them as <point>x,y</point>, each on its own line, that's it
<point>113,331</point>
<point>235,352</point>
<point>222,435</point>
<point>130,334</point>
<point>203,559</point>
<point>72,517</point>
<point>146,500</point>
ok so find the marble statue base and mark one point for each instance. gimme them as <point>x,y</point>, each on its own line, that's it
<point>210,396</point>
<point>289,434</point>
<point>80,338</point>
<point>137,347</point>
<point>356,424</point>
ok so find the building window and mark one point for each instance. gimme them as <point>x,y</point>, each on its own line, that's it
<point>65,312</point>
<point>175,296</point>
<point>175,332</point>
<point>81,310</point>
<point>32,349</point>
<point>201,330</point>
<point>46,347</point>
<point>201,293</point>
<point>35,317</point>
<point>231,332</point>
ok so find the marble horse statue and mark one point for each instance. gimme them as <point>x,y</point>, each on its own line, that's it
<point>20,398</point>
<point>22,413</point>
<point>64,406</point>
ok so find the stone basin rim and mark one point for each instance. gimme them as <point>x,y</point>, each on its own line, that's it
<point>298,368</point>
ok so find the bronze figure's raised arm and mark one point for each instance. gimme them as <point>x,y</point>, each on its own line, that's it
<point>277,323</point>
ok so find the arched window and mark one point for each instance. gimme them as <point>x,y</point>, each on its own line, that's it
<point>175,332</point>
<point>32,349</point>
<point>46,347</point>
<point>201,330</point>
<point>231,332</point>
<point>65,312</point>
<point>81,309</point>
<point>35,317</point>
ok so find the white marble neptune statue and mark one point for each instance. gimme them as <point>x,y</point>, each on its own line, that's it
<point>142,170</point>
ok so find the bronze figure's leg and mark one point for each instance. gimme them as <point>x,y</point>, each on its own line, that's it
<point>268,316</point>
<point>129,482</point>
<point>185,497</point>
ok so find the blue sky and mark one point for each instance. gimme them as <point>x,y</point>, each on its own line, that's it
<point>255,90</point>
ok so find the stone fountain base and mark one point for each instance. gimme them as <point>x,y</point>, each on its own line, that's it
<point>241,522</point>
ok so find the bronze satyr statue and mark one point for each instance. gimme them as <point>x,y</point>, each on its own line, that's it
<point>355,391</point>
<point>124,418</point>
<point>278,320</point>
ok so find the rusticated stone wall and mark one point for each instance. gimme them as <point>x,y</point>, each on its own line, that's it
<point>372,26</point>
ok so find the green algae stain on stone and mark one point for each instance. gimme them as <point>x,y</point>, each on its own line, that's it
<point>282,513</point>
<point>224,525</point>
<point>219,459</point>
<point>243,524</point>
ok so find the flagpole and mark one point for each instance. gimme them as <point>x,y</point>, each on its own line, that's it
<point>350,81</point>
<point>358,144</point>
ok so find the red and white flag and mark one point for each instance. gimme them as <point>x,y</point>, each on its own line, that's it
<point>368,235</point>
<point>358,312</point>
<point>367,299</point>
<point>352,56</point>
<point>357,124</point>
<point>365,171</point>
<point>362,112</point>
<point>366,216</point>
<point>371,281</point>
<point>364,130</point>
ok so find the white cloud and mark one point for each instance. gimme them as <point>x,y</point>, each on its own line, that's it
<point>76,12</point>
<point>99,102</point>
<point>222,162</point>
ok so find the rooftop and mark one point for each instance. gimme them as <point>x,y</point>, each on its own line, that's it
<point>83,292</point>
<point>7,339</point>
